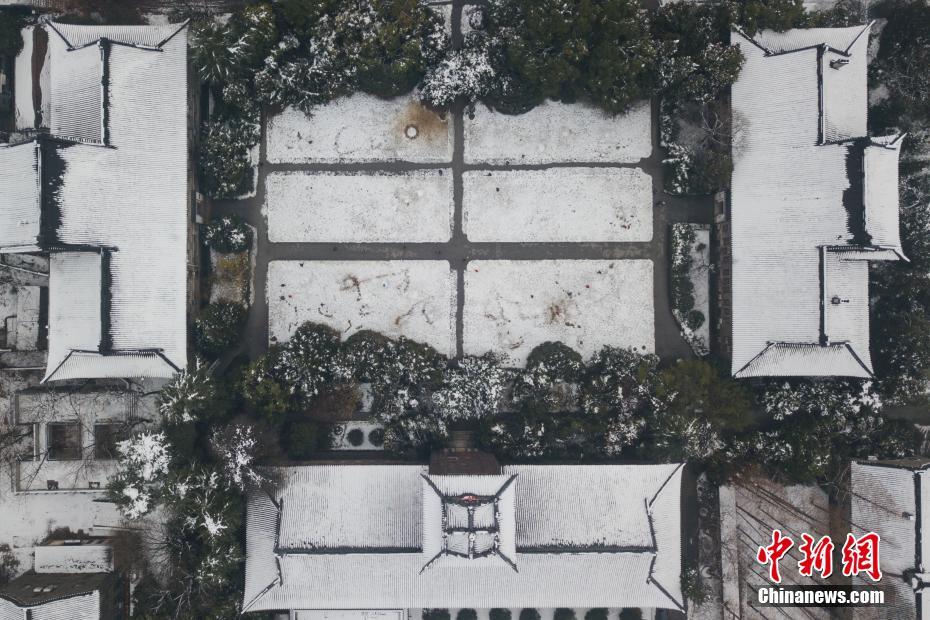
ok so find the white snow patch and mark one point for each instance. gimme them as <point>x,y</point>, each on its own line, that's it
<point>558,132</point>
<point>513,306</point>
<point>561,204</point>
<point>413,207</point>
<point>360,128</point>
<point>25,117</point>
<point>415,299</point>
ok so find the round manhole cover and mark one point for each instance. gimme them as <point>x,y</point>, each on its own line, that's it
<point>411,131</point>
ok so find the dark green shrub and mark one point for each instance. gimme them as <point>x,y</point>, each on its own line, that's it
<point>436,614</point>
<point>12,21</point>
<point>224,162</point>
<point>529,613</point>
<point>694,319</point>
<point>218,328</point>
<point>228,234</point>
<point>500,614</point>
<point>597,613</point>
<point>631,613</point>
<point>303,439</point>
<point>376,437</point>
<point>466,614</point>
<point>356,437</point>
<point>564,613</point>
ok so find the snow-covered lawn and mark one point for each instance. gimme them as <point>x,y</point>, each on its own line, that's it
<point>558,132</point>
<point>512,306</point>
<point>360,128</point>
<point>691,251</point>
<point>415,299</point>
<point>558,204</point>
<point>413,207</point>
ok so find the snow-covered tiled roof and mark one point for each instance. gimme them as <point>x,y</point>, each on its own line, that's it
<point>80,607</point>
<point>20,216</point>
<point>585,536</point>
<point>893,500</point>
<point>810,205</point>
<point>119,279</point>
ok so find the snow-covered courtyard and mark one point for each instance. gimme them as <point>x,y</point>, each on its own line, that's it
<point>360,128</point>
<point>324,206</point>
<point>558,204</point>
<point>558,132</point>
<point>414,298</point>
<point>512,306</point>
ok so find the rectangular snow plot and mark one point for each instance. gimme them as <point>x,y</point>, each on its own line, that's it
<point>413,207</point>
<point>558,132</point>
<point>558,204</point>
<point>513,306</point>
<point>415,299</point>
<point>360,128</point>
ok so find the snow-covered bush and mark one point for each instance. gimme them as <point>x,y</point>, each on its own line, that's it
<point>142,468</point>
<point>235,447</point>
<point>846,397</point>
<point>465,74</point>
<point>225,164</point>
<point>472,389</point>
<point>228,234</point>
<point>218,328</point>
<point>223,52</point>
<point>550,378</point>
<point>190,396</point>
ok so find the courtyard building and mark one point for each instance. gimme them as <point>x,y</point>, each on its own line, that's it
<point>814,199</point>
<point>350,537</point>
<point>96,178</point>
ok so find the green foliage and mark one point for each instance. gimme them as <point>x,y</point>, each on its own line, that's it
<point>551,49</point>
<point>266,387</point>
<point>596,613</point>
<point>692,587</point>
<point>498,613</point>
<point>698,63</point>
<point>224,163</point>
<point>192,395</point>
<point>695,319</point>
<point>303,439</point>
<point>436,614</point>
<point>376,437</point>
<point>779,15</point>
<point>904,45</point>
<point>12,21</point>
<point>228,234</point>
<point>552,369</point>
<point>529,613</point>
<point>681,287</point>
<point>466,614</point>
<point>9,565</point>
<point>218,328</point>
<point>631,613</point>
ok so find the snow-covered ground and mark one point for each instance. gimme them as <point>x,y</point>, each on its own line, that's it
<point>512,306</point>
<point>558,204</point>
<point>360,128</point>
<point>558,132</point>
<point>415,299</point>
<point>414,207</point>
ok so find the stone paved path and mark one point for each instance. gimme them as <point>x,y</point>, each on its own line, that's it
<point>458,251</point>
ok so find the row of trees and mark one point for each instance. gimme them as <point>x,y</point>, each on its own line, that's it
<point>194,466</point>
<point>611,53</point>
<point>901,290</point>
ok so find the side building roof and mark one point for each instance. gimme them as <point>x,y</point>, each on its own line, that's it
<point>115,212</point>
<point>350,536</point>
<point>813,199</point>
